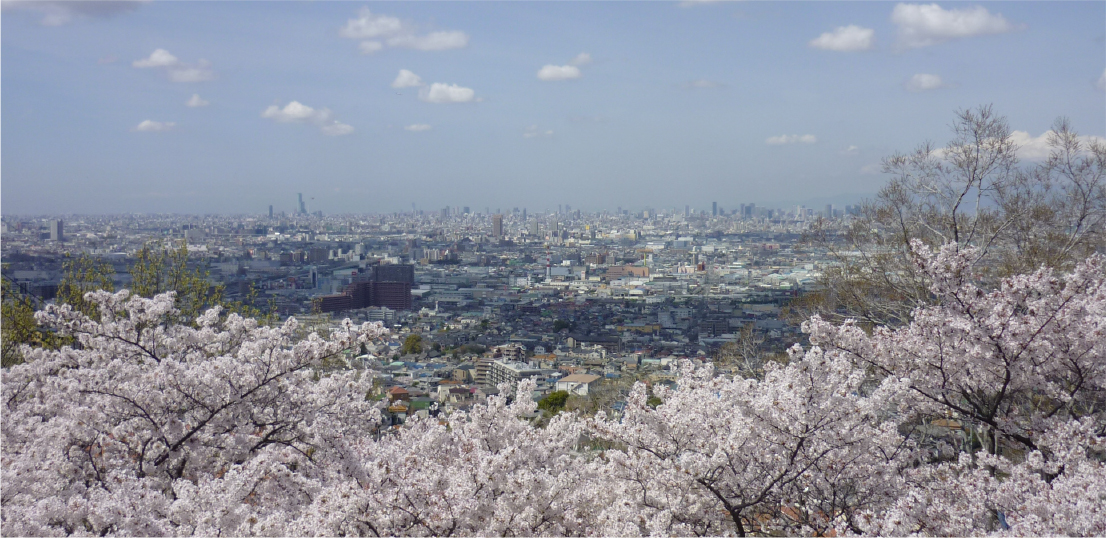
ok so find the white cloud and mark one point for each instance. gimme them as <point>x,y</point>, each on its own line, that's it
<point>1037,149</point>
<point>196,101</point>
<point>533,132</point>
<point>870,169</point>
<point>922,25</point>
<point>368,26</point>
<point>418,127</point>
<point>559,72</point>
<point>296,112</point>
<point>336,129</point>
<point>845,39</point>
<point>446,93</point>
<point>581,59</point>
<point>406,79</point>
<point>851,150</point>
<point>151,126</point>
<point>791,139</point>
<point>924,82</point>
<point>176,70</point>
<point>158,58</point>
<point>702,84</point>
<point>1102,81</point>
<point>379,30</point>
<point>432,41</point>
<point>369,47</point>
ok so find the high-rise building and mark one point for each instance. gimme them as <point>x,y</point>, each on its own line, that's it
<point>270,211</point>
<point>524,214</point>
<point>466,210</point>
<point>829,211</point>
<point>396,272</point>
<point>302,206</point>
<point>687,210</point>
<point>497,226</point>
<point>56,231</point>
<point>535,229</point>
<point>714,209</point>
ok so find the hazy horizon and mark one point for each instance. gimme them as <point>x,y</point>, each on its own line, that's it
<point>229,107</point>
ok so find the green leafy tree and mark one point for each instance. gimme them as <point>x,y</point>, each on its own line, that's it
<point>554,402</point>
<point>158,270</point>
<point>83,274</point>
<point>18,326</point>
<point>412,344</point>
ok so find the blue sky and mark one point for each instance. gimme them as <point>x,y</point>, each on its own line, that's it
<point>655,104</point>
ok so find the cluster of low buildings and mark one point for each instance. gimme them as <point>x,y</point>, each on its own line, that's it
<point>573,300</point>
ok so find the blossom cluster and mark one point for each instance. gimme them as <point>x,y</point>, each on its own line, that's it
<point>983,415</point>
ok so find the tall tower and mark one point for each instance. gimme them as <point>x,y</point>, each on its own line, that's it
<point>270,211</point>
<point>714,209</point>
<point>303,208</point>
<point>56,231</point>
<point>497,226</point>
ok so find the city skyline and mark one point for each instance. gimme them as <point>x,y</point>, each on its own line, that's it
<point>229,108</point>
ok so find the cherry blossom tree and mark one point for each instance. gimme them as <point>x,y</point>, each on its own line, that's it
<point>801,451</point>
<point>984,414</point>
<point>148,427</point>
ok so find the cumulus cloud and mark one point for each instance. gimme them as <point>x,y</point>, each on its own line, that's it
<point>196,101</point>
<point>431,41</point>
<point>581,59</point>
<point>151,126</point>
<point>558,72</point>
<point>702,84</point>
<point>176,70</point>
<point>64,12</point>
<point>378,30</point>
<point>368,26</point>
<point>1032,148</point>
<point>417,127</point>
<point>851,150</point>
<point>845,39</point>
<point>406,79</point>
<point>924,82</point>
<point>296,112</point>
<point>1102,81</point>
<point>791,139</point>
<point>534,132</point>
<point>336,129</point>
<point>157,58</point>
<point>446,93</point>
<point>922,25</point>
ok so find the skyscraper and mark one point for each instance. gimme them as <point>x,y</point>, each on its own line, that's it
<point>497,226</point>
<point>56,232</point>
<point>714,209</point>
<point>303,208</point>
<point>270,211</point>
